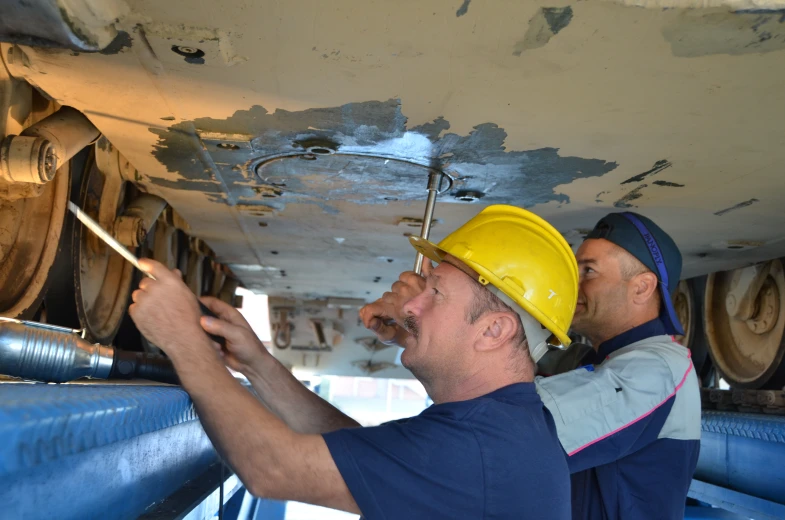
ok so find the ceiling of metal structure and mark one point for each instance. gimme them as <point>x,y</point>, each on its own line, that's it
<point>296,137</point>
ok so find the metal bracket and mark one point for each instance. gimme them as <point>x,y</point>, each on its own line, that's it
<point>744,288</point>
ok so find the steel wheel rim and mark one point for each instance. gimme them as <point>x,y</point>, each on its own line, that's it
<point>103,278</point>
<point>684,304</point>
<point>745,358</point>
<point>24,268</point>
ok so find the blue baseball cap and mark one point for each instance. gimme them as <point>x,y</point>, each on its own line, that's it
<point>655,249</point>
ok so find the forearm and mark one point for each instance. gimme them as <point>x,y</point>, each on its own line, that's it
<point>302,410</point>
<point>247,435</point>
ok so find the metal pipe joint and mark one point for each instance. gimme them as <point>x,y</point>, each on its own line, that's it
<point>53,354</point>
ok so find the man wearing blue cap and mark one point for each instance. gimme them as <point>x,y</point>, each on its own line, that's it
<point>629,418</point>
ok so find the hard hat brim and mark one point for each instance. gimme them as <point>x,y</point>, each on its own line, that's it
<point>428,249</point>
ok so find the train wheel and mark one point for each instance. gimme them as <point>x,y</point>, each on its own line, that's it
<point>688,302</point>
<point>30,234</point>
<point>102,278</point>
<point>744,319</point>
<point>684,303</point>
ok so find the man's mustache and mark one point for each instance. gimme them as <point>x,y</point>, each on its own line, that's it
<point>410,324</point>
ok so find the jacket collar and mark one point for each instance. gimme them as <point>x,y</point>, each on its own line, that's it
<point>649,329</point>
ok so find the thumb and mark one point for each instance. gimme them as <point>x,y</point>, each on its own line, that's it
<point>383,331</point>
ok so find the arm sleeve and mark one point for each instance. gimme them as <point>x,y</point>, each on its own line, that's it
<point>606,413</point>
<point>423,467</point>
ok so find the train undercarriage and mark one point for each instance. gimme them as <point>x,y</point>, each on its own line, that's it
<point>285,148</point>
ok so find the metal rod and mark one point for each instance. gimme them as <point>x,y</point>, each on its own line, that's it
<point>434,180</point>
<point>96,228</point>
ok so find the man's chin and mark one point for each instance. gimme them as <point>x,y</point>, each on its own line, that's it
<point>577,323</point>
<point>407,356</point>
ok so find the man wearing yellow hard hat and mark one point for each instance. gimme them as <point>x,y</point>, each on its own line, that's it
<point>629,418</point>
<point>506,282</point>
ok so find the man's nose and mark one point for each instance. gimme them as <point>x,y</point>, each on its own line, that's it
<point>414,306</point>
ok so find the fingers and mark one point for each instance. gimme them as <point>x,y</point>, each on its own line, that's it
<point>389,298</point>
<point>427,267</point>
<point>383,331</point>
<point>375,318</point>
<point>225,311</point>
<point>157,269</point>
<point>412,279</point>
<point>137,295</point>
<point>223,328</point>
<point>377,309</point>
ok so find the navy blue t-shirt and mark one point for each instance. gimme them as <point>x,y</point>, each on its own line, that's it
<point>496,456</point>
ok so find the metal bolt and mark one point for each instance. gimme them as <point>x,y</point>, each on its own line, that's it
<point>28,159</point>
<point>129,231</point>
<point>49,164</point>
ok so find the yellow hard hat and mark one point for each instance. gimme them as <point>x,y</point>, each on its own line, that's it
<point>520,255</point>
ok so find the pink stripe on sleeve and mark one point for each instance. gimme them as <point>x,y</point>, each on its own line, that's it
<point>683,379</point>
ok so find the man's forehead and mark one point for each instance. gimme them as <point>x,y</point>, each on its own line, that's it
<point>595,250</point>
<point>452,272</point>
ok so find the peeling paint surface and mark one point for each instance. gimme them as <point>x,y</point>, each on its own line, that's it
<point>737,207</point>
<point>121,42</point>
<point>657,168</point>
<point>542,27</point>
<point>463,9</point>
<point>626,201</point>
<point>698,33</point>
<point>373,158</point>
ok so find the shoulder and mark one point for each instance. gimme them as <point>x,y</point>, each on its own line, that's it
<point>656,362</point>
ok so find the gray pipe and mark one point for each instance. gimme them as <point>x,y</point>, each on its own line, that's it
<point>47,353</point>
<point>52,354</point>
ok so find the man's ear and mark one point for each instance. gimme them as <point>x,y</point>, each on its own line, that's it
<point>498,329</point>
<point>645,287</point>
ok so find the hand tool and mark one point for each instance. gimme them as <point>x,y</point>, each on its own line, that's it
<point>96,228</point>
<point>434,182</point>
<point>435,178</point>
